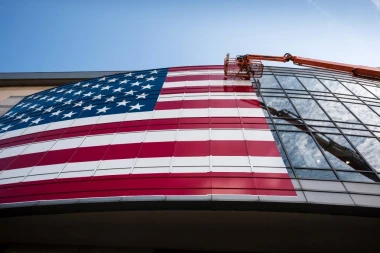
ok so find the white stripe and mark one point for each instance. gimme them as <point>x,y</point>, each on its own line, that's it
<point>206,96</point>
<point>125,166</point>
<point>195,72</point>
<point>205,83</point>
<point>138,137</point>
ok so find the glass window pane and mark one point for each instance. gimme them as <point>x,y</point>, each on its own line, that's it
<point>279,104</point>
<point>316,174</point>
<point>357,89</point>
<point>360,177</point>
<point>290,82</point>
<point>369,148</point>
<point>374,90</point>
<point>335,87</point>
<point>340,153</point>
<point>268,81</point>
<point>312,84</point>
<point>309,109</point>
<point>364,113</point>
<point>337,111</point>
<point>302,150</point>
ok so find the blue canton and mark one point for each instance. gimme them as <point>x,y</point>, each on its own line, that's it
<point>130,92</point>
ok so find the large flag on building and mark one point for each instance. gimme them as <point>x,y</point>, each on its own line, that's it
<point>180,131</point>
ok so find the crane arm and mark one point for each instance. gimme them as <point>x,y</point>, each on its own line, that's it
<point>245,63</point>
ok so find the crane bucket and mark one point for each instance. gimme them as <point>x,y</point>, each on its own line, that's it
<point>240,67</point>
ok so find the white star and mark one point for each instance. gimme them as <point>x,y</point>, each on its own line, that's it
<point>151,78</point>
<point>148,86</point>
<point>77,84</point>
<point>43,98</point>
<point>136,106</point>
<point>38,96</point>
<point>143,95</point>
<point>33,106</point>
<point>124,81</point>
<point>118,89</point>
<point>53,90</point>
<point>98,97</point>
<point>102,79</point>
<point>68,115</point>
<point>19,105</point>
<point>20,116</point>
<point>153,72</point>
<point>69,91</point>
<point>59,100</point>
<point>68,102</point>
<point>88,94</point>
<point>111,99</point>
<point>26,119</point>
<point>104,109</point>
<point>86,85</point>
<point>79,103</point>
<point>50,99</point>
<point>106,87</point>
<point>60,91</point>
<point>136,83</point>
<point>25,105</point>
<point>56,113</point>
<point>8,113</point>
<point>129,74</point>
<point>11,116</point>
<point>140,76</point>
<point>39,109</point>
<point>78,92</point>
<point>95,86</point>
<point>122,103</point>
<point>112,80</point>
<point>36,121</point>
<point>88,108</point>
<point>6,128</point>
<point>129,92</point>
<point>49,109</point>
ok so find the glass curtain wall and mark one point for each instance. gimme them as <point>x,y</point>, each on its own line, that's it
<point>326,125</point>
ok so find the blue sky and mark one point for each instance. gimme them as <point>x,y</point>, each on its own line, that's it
<point>72,35</point>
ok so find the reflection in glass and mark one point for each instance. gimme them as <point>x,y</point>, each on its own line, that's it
<point>268,81</point>
<point>340,153</point>
<point>360,177</point>
<point>309,109</point>
<point>302,150</point>
<point>364,113</point>
<point>312,84</point>
<point>289,82</point>
<point>279,104</point>
<point>357,89</point>
<point>369,148</point>
<point>337,111</point>
<point>335,87</point>
<point>374,90</point>
<point>315,174</point>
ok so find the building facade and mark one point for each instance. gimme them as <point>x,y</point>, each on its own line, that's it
<point>294,141</point>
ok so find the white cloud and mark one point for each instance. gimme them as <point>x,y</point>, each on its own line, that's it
<point>377,4</point>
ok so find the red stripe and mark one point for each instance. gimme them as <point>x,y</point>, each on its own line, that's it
<point>152,184</point>
<point>139,125</point>
<point>211,103</point>
<point>202,89</point>
<point>192,68</point>
<point>144,150</point>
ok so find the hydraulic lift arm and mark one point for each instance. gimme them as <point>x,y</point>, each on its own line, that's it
<point>250,65</point>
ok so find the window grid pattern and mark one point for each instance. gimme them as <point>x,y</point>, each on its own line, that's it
<point>326,124</point>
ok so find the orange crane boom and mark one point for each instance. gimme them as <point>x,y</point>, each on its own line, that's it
<point>250,65</point>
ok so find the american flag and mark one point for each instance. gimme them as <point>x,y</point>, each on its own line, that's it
<point>183,131</point>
